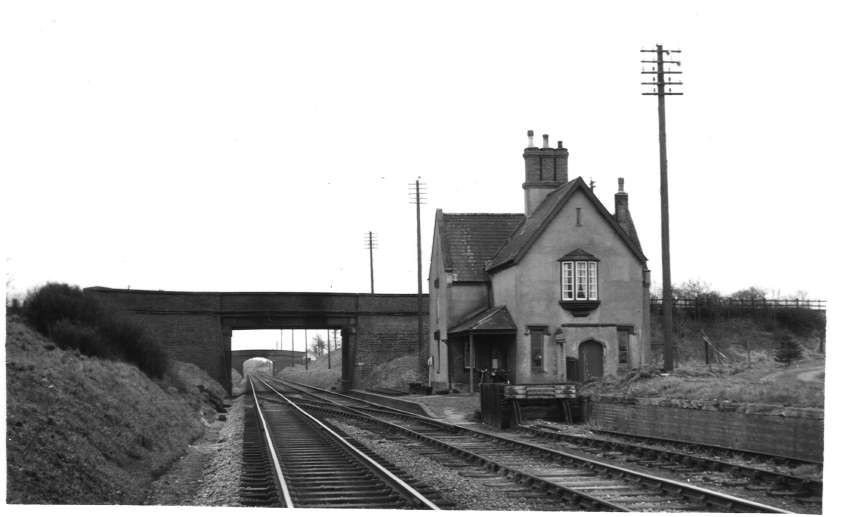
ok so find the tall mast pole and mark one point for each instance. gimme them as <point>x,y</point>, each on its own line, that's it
<point>418,194</point>
<point>371,244</point>
<point>419,265</point>
<point>661,88</point>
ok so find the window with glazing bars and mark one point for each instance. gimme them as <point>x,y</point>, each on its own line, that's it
<point>579,280</point>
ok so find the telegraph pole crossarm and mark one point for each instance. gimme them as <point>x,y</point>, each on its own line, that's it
<point>661,88</point>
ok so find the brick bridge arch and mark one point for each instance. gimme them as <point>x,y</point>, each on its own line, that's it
<point>196,327</point>
<point>280,358</point>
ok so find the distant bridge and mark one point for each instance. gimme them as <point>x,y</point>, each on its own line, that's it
<point>281,358</point>
<point>196,327</point>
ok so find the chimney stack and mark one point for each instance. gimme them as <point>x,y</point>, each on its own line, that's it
<point>621,202</point>
<point>545,170</point>
<point>621,212</point>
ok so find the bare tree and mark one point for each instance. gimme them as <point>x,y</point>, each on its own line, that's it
<point>317,347</point>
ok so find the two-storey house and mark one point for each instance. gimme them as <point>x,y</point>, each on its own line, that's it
<point>558,293</point>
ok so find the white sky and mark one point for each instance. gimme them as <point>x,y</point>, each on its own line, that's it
<point>250,145</point>
<point>293,339</point>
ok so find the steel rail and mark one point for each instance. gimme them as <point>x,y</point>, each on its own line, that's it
<point>304,388</point>
<point>392,478</point>
<point>671,485</point>
<point>716,448</point>
<point>810,486</point>
<point>281,480</point>
<point>583,499</point>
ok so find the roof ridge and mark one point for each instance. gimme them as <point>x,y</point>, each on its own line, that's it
<point>525,234</point>
<point>483,213</point>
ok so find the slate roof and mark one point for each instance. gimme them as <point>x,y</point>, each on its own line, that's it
<point>468,240</point>
<point>628,225</point>
<point>579,254</point>
<point>495,320</point>
<point>525,235</point>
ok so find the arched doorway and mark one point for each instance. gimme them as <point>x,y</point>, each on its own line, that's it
<point>590,356</point>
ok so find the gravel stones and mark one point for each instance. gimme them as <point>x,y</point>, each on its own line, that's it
<point>478,490</point>
<point>208,475</point>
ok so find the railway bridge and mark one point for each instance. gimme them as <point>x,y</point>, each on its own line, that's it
<point>280,358</point>
<point>196,327</point>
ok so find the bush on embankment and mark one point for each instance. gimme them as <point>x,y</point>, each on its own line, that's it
<point>76,320</point>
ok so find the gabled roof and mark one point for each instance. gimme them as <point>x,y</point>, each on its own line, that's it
<point>523,238</point>
<point>493,320</point>
<point>468,240</point>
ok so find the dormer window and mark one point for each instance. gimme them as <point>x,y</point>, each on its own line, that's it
<point>579,282</point>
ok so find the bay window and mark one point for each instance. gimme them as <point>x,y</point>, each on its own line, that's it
<point>579,282</point>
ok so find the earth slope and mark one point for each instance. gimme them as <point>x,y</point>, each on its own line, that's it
<point>90,431</point>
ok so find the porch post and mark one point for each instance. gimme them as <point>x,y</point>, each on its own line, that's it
<point>448,362</point>
<point>471,363</point>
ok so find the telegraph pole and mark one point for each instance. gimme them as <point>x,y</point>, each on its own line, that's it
<point>661,87</point>
<point>417,194</point>
<point>371,244</point>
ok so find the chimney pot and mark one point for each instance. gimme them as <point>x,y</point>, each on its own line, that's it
<point>545,141</point>
<point>620,182</point>
<point>530,138</point>
<point>560,144</point>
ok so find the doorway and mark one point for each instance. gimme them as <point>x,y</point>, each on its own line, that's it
<point>590,356</point>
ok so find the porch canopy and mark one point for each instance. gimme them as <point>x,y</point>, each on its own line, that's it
<point>492,321</point>
<point>495,320</point>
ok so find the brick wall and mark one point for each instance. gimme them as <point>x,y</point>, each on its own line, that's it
<point>191,338</point>
<point>381,339</point>
<point>795,433</point>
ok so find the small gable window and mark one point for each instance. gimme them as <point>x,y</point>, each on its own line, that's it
<point>579,282</point>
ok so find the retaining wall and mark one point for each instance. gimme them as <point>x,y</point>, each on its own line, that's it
<point>790,432</point>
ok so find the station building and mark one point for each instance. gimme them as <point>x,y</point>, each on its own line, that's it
<point>559,293</point>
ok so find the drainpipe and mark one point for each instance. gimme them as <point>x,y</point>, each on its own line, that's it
<point>471,363</point>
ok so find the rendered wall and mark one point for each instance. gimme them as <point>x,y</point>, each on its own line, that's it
<point>449,303</point>
<point>794,433</point>
<point>531,291</point>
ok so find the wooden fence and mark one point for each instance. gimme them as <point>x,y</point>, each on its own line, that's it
<point>744,304</point>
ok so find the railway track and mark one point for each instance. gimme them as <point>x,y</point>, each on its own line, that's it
<point>706,462</point>
<point>583,482</point>
<point>745,473</point>
<point>294,460</point>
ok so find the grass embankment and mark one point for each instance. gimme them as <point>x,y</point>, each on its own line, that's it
<point>743,368</point>
<point>84,430</point>
<point>799,385</point>
<point>395,374</point>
